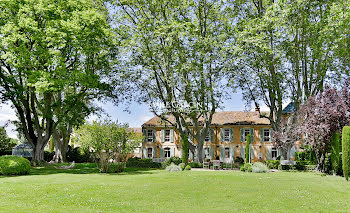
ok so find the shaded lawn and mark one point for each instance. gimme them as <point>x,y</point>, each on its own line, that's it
<point>83,189</point>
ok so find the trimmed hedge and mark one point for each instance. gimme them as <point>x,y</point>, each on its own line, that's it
<point>346,151</point>
<point>142,163</point>
<point>195,165</point>
<point>272,164</point>
<point>14,165</point>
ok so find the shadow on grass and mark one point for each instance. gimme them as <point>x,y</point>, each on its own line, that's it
<point>83,168</point>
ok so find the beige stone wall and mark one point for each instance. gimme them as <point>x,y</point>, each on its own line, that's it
<point>258,146</point>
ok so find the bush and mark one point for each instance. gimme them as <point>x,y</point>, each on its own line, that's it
<point>14,165</point>
<point>48,156</point>
<point>246,167</point>
<point>195,165</point>
<point>188,167</point>
<point>173,168</point>
<point>310,167</point>
<point>116,167</point>
<point>259,167</point>
<point>286,167</point>
<point>79,155</point>
<point>182,166</point>
<point>239,160</point>
<point>301,165</point>
<point>335,157</point>
<point>272,164</point>
<point>174,160</point>
<point>346,151</point>
<point>142,163</point>
<point>307,155</point>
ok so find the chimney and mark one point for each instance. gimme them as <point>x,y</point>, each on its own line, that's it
<point>257,110</point>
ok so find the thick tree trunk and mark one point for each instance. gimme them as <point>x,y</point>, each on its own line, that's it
<point>38,151</point>
<point>61,140</point>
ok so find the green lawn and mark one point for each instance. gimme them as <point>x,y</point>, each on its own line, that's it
<point>85,190</point>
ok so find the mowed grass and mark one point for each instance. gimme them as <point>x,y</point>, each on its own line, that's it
<point>85,190</point>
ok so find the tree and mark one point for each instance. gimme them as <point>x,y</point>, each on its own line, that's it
<point>109,141</point>
<point>6,143</point>
<point>323,115</point>
<point>177,55</point>
<point>247,149</point>
<point>285,49</point>
<point>346,151</point>
<point>47,47</point>
<point>335,150</point>
<point>184,142</point>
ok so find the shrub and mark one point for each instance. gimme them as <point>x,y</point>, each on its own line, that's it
<point>346,151</point>
<point>259,167</point>
<point>182,166</point>
<point>195,165</point>
<point>48,156</point>
<point>272,164</point>
<point>174,160</point>
<point>14,165</point>
<point>142,163</point>
<point>286,167</point>
<point>239,160</point>
<point>301,165</point>
<point>173,168</point>
<point>79,155</point>
<point>188,167</point>
<point>116,167</point>
<point>246,167</point>
<point>335,152</point>
<point>310,167</point>
<point>307,155</point>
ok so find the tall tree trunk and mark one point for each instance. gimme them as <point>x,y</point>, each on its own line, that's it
<point>61,139</point>
<point>38,151</point>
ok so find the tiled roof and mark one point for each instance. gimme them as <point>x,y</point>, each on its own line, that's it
<point>220,118</point>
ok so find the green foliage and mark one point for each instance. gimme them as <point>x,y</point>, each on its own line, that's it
<point>173,168</point>
<point>335,150</point>
<point>247,167</point>
<point>272,164</point>
<point>108,140</point>
<point>52,145</point>
<point>286,167</point>
<point>48,156</point>
<point>301,165</point>
<point>142,163</point>
<point>239,160</point>
<point>259,167</point>
<point>195,165</point>
<point>6,143</point>
<point>14,165</point>
<point>188,167</point>
<point>168,161</point>
<point>307,155</point>
<point>78,154</point>
<point>346,151</point>
<point>116,167</point>
<point>247,151</point>
<point>55,58</point>
<point>182,166</point>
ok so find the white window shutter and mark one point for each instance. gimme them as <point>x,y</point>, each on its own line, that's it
<point>231,135</point>
<point>262,134</point>
<point>252,136</point>
<point>222,135</point>
<point>154,135</point>
<point>172,136</point>
<point>242,135</point>
<point>163,135</point>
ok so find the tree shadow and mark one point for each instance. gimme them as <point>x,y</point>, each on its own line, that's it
<point>83,168</point>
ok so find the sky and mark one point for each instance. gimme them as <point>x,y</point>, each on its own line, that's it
<point>137,113</point>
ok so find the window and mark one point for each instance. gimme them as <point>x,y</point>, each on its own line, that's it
<point>206,153</point>
<point>274,153</point>
<point>150,152</point>
<point>167,135</point>
<point>246,133</point>
<point>207,137</point>
<point>227,153</point>
<point>266,135</point>
<point>167,152</point>
<point>227,135</point>
<point>149,135</point>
